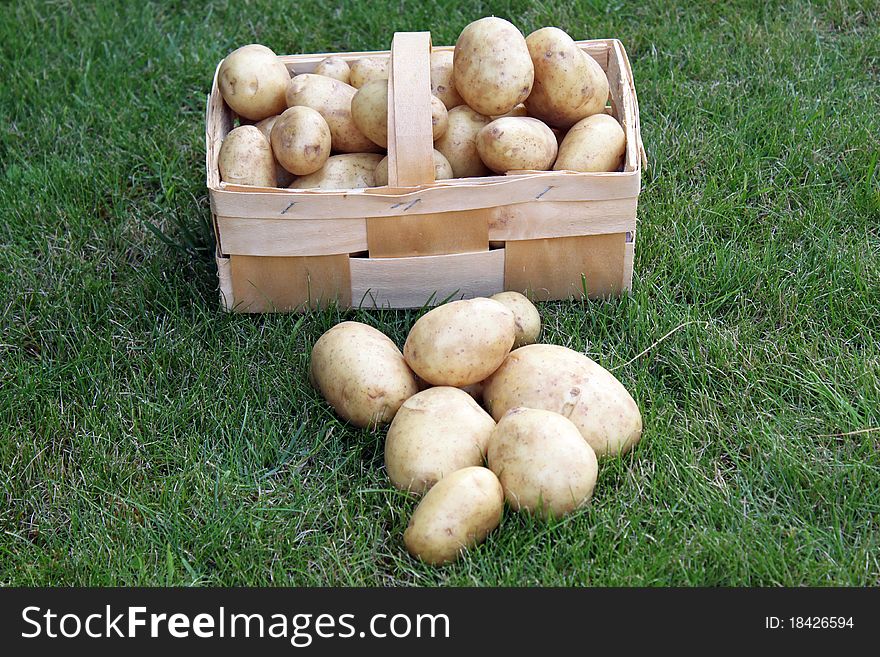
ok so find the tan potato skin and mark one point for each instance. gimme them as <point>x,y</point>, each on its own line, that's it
<point>569,84</point>
<point>519,110</point>
<point>460,343</point>
<point>455,515</point>
<point>361,373</point>
<point>459,143</point>
<point>492,67</point>
<point>283,177</point>
<point>246,158</point>
<point>516,142</point>
<point>525,315</point>
<point>475,390</point>
<point>369,109</point>
<point>439,118</point>
<point>435,432</point>
<point>334,67</point>
<point>443,80</point>
<point>332,100</point>
<point>301,140</point>
<point>265,126</point>
<point>349,171</point>
<point>596,143</point>
<point>544,465</point>
<point>252,81</point>
<point>367,68</point>
<point>561,380</point>
<point>442,169</point>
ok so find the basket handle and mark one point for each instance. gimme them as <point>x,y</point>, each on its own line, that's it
<point>410,135</point>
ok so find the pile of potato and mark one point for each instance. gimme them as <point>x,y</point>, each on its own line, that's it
<point>547,413</point>
<point>500,102</point>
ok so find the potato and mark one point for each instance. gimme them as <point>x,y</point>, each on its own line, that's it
<point>517,142</point>
<point>525,316</point>
<point>361,373</point>
<point>283,177</point>
<point>442,169</point>
<point>332,100</point>
<point>367,68</point>
<point>246,158</point>
<point>252,81</point>
<point>460,343</point>
<point>519,110</point>
<point>301,140</point>
<point>544,465</point>
<point>334,67</point>
<point>558,379</point>
<point>435,432</point>
<point>455,515</point>
<point>265,126</point>
<point>349,171</point>
<point>443,81</point>
<point>459,143</point>
<point>492,67</point>
<point>475,390</point>
<point>597,143</point>
<point>569,84</point>
<point>369,109</point>
<point>439,118</point>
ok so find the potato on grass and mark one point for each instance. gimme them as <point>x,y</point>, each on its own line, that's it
<point>443,80</point>
<point>561,380</point>
<point>455,515</point>
<point>301,140</point>
<point>252,81</point>
<point>516,142</point>
<point>525,315</point>
<point>569,84</point>
<point>492,67</point>
<point>544,464</point>
<point>442,169</point>
<point>475,390</point>
<point>332,100</point>
<point>246,158</point>
<point>367,68</point>
<point>348,171</point>
<point>361,373</point>
<point>435,432</point>
<point>459,143</point>
<point>596,143</point>
<point>334,67</point>
<point>460,343</point>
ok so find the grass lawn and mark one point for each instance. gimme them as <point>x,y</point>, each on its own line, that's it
<point>148,438</point>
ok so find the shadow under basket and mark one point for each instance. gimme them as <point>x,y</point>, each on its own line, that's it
<point>417,242</point>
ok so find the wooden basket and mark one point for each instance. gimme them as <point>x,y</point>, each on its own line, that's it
<point>416,242</point>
